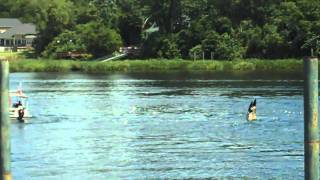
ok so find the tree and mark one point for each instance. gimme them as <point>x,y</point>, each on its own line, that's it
<point>210,43</point>
<point>168,48</point>
<point>229,48</point>
<point>5,8</point>
<point>273,42</point>
<point>130,22</point>
<point>165,13</point>
<point>92,38</point>
<point>53,20</point>
<point>195,52</point>
<point>260,27</point>
<point>85,12</point>
<point>68,41</point>
<point>99,39</point>
<point>108,12</point>
<point>286,19</point>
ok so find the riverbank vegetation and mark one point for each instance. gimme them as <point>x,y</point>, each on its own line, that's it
<point>251,65</point>
<point>219,29</point>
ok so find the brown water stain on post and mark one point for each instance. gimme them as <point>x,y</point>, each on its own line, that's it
<point>7,176</point>
<point>315,119</point>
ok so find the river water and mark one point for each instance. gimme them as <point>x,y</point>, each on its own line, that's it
<point>157,126</point>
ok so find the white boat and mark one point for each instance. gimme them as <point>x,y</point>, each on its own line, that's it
<point>18,105</point>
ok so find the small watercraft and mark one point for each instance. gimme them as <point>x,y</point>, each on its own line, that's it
<point>18,102</point>
<point>252,111</point>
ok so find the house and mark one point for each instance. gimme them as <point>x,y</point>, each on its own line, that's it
<point>15,35</point>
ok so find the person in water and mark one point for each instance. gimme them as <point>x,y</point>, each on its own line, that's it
<point>252,111</point>
<point>20,113</point>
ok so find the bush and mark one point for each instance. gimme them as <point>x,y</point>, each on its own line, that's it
<point>162,46</point>
<point>92,39</point>
<point>211,42</point>
<point>195,52</point>
<point>243,66</point>
<point>229,48</point>
<point>68,41</point>
<point>99,40</point>
<point>168,49</point>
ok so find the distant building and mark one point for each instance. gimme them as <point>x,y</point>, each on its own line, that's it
<point>15,35</point>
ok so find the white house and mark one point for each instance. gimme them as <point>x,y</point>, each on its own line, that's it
<point>15,35</point>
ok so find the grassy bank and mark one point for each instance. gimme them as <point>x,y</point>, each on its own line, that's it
<point>11,55</point>
<point>281,66</point>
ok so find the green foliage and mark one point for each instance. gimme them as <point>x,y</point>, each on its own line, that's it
<point>211,43</point>
<point>53,18</point>
<point>223,25</point>
<point>168,49</point>
<point>273,42</point>
<point>243,66</point>
<point>41,66</point>
<point>150,45</point>
<point>205,66</point>
<point>230,28</point>
<point>67,41</point>
<point>251,65</point>
<point>229,48</point>
<point>130,22</point>
<point>196,52</point>
<point>107,11</point>
<point>251,36</point>
<point>99,40</point>
<point>92,38</point>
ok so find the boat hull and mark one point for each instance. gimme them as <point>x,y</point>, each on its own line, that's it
<point>13,113</point>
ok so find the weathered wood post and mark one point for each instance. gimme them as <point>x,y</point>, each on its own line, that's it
<point>5,121</point>
<point>311,137</point>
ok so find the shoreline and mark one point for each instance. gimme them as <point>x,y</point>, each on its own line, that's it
<point>288,66</point>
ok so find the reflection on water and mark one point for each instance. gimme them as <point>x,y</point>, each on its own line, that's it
<point>163,126</point>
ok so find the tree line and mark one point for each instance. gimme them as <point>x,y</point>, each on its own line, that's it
<point>219,29</point>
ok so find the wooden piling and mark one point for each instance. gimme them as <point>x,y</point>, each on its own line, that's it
<point>311,137</point>
<point>5,121</point>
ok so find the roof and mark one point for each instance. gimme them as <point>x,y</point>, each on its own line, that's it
<point>9,22</point>
<point>16,27</point>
